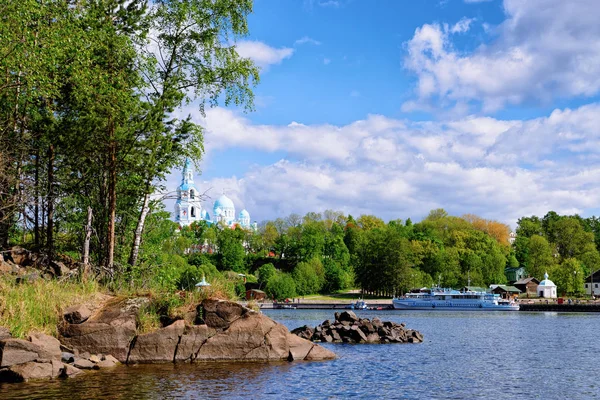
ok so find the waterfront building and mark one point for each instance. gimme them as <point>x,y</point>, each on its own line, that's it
<point>514,274</point>
<point>527,286</point>
<point>593,280</point>
<point>546,288</point>
<point>188,207</point>
<point>505,291</point>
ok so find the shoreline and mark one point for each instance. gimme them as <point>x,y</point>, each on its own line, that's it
<point>385,305</point>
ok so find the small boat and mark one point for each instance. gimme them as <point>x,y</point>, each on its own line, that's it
<point>287,306</point>
<point>448,299</point>
<point>358,305</point>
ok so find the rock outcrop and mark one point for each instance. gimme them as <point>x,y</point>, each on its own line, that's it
<point>29,266</point>
<point>42,358</point>
<point>348,328</point>
<point>224,331</point>
<point>38,358</point>
<point>109,331</point>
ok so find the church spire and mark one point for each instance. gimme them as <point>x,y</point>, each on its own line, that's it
<point>187,175</point>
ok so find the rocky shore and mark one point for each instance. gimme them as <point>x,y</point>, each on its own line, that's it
<point>222,331</point>
<point>348,328</point>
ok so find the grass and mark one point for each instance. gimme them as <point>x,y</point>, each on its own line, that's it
<point>37,306</point>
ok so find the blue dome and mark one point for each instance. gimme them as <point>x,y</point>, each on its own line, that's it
<point>224,203</point>
<point>244,214</point>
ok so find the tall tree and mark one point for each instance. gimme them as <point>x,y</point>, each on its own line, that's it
<point>190,54</point>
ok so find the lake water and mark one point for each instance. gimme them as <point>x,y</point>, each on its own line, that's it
<point>465,355</point>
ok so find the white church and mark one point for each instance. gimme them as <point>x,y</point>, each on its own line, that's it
<point>188,207</point>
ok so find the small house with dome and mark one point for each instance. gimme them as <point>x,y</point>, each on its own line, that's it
<point>188,207</point>
<point>546,288</point>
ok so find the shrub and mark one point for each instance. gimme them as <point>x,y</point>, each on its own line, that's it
<point>265,273</point>
<point>281,286</point>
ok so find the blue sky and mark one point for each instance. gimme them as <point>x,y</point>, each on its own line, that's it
<point>394,108</point>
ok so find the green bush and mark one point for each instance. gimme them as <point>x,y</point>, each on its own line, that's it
<point>266,272</point>
<point>281,286</point>
<point>309,277</point>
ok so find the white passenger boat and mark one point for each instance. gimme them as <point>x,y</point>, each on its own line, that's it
<point>448,299</point>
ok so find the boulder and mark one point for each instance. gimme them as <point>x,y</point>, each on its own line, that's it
<point>306,332</point>
<point>109,331</point>
<point>108,357</point>
<point>20,256</point>
<point>4,333</point>
<point>48,343</point>
<point>347,316</point>
<point>83,363</point>
<point>255,337</point>
<point>220,314</point>
<point>29,370</point>
<point>373,338</point>
<point>76,314</point>
<point>5,267</point>
<point>67,357</point>
<point>59,268</point>
<point>319,353</point>
<point>376,322</point>
<point>17,351</point>
<point>69,371</point>
<point>158,346</point>
<point>299,348</point>
<point>95,358</point>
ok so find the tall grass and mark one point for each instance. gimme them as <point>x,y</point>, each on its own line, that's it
<point>37,306</point>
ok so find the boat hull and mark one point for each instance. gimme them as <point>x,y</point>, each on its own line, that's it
<point>450,306</point>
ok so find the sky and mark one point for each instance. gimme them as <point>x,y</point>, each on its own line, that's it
<point>395,108</point>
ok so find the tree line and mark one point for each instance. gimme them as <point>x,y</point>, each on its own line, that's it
<point>327,252</point>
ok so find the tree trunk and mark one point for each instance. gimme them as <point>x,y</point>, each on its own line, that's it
<point>36,207</point>
<point>50,211</point>
<point>86,243</point>
<point>137,239</point>
<point>112,198</point>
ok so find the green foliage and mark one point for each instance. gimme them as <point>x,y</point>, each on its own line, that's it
<point>281,286</point>
<point>230,250</point>
<point>265,273</point>
<point>569,277</point>
<point>309,277</point>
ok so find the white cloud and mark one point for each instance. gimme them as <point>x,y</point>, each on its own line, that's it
<point>307,40</point>
<point>326,61</point>
<point>461,26</point>
<point>262,54</point>
<point>329,3</point>
<point>499,169</point>
<point>544,49</point>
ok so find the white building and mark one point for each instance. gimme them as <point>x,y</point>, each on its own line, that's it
<point>188,208</point>
<point>592,284</point>
<point>546,288</point>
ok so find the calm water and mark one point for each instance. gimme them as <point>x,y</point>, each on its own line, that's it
<point>465,355</point>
